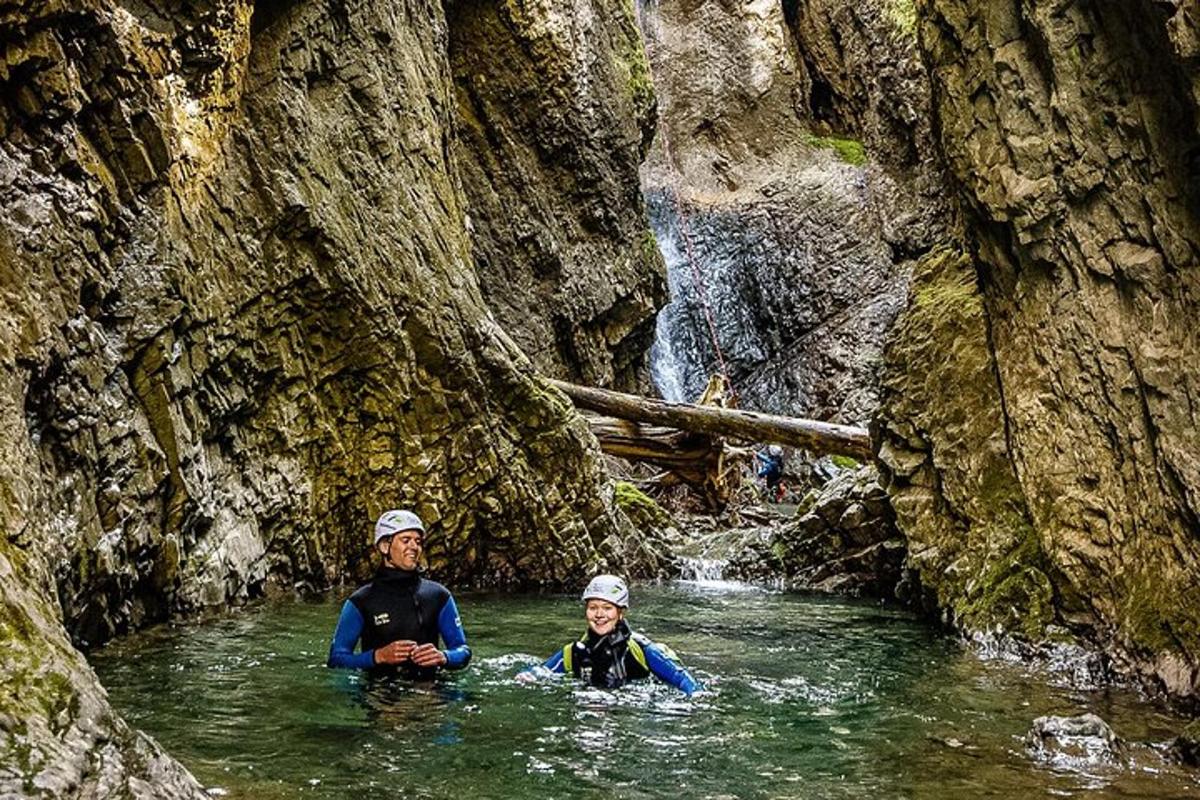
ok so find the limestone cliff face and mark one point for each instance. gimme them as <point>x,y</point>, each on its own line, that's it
<point>556,109</point>
<point>800,238</point>
<point>948,467</point>
<point>239,318</point>
<point>860,71</point>
<point>1071,132</point>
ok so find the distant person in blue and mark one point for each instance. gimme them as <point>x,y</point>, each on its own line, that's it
<point>610,654</point>
<point>770,469</point>
<point>399,615</point>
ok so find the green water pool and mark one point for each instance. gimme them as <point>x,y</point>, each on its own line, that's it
<point>805,698</point>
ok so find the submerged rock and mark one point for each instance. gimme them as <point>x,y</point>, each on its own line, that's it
<point>1185,749</point>
<point>1064,661</point>
<point>1084,738</point>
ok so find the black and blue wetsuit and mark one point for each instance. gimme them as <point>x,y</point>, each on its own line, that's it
<point>770,468</point>
<point>396,605</point>
<point>609,661</point>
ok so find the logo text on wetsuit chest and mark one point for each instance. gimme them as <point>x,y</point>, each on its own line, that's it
<point>382,619</point>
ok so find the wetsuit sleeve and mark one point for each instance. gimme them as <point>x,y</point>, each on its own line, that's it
<point>555,663</point>
<point>458,655</point>
<point>345,639</point>
<point>669,670</point>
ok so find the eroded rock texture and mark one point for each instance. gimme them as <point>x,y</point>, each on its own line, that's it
<point>947,465</point>
<point>556,110</point>
<point>1071,131</point>
<point>843,541</point>
<point>860,71</point>
<point>798,239</point>
<point>239,318</point>
<point>58,735</point>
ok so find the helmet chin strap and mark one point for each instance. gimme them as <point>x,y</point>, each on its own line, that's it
<point>387,555</point>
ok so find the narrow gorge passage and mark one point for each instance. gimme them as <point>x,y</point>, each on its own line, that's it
<point>269,269</point>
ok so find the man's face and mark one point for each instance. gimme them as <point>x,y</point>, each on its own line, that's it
<point>602,616</point>
<point>404,549</point>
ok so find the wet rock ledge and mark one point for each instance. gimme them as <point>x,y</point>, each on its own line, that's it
<point>840,539</point>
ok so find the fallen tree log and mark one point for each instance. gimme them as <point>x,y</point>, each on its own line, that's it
<point>819,437</point>
<point>694,458</point>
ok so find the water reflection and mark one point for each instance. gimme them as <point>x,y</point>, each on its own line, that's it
<point>420,708</point>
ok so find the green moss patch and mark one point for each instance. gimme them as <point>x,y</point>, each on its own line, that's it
<point>641,508</point>
<point>1159,615</point>
<point>630,62</point>
<point>807,502</point>
<point>903,16</point>
<point>849,150</point>
<point>1015,593</point>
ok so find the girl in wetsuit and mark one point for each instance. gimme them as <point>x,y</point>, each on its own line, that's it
<point>610,654</point>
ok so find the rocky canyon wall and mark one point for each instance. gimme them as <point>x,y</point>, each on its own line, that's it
<point>787,214</point>
<point>239,317</point>
<point>1041,423</point>
<point>556,110</point>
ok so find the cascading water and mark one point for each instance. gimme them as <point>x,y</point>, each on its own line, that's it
<point>709,574</point>
<point>772,245</point>
<point>701,569</point>
<point>706,303</point>
<point>668,371</point>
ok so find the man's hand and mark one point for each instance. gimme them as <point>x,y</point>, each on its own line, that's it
<point>426,655</point>
<point>395,652</point>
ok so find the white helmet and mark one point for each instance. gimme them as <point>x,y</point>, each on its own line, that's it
<point>609,588</point>
<point>392,522</point>
<point>775,450</point>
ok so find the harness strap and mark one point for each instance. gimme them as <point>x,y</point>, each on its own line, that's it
<point>639,655</point>
<point>666,650</point>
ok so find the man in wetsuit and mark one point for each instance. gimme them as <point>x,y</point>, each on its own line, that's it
<point>399,615</point>
<point>610,654</point>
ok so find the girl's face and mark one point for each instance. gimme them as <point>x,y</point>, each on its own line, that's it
<point>602,616</point>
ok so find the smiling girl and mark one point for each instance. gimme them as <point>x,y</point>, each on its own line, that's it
<point>610,654</point>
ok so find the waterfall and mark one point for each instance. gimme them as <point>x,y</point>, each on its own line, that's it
<point>701,570</point>
<point>666,371</point>
<point>683,357</point>
<point>709,573</point>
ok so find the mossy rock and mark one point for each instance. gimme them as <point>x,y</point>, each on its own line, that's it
<point>849,150</point>
<point>807,502</point>
<point>844,462</point>
<point>1015,593</point>
<point>1186,747</point>
<point>641,509</point>
<point>903,16</point>
<point>1161,616</point>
